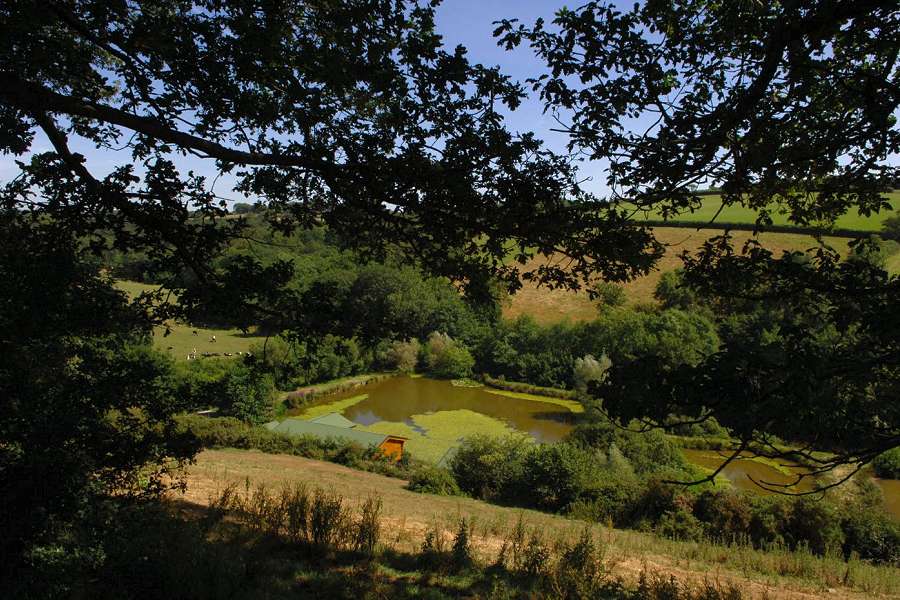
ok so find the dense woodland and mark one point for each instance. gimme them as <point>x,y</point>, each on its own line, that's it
<point>393,211</point>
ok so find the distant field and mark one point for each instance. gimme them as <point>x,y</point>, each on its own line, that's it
<point>182,340</point>
<point>552,306</point>
<point>739,214</point>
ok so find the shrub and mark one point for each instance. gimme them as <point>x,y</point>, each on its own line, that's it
<point>589,370</point>
<point>401,356</point>
<point>247,394</point>
<point>434,547</point>
<point>680,524</point>
<point>887,464</point>
<point>536,555</point>
<point>328,520</point>
<point>869,531</point>
<point>579,571</point>
<point>556,475</point>
<point>726,514</point>
<point>368,526</point>
<point>200,380</point>
<point>434,480</point>
<point>890,228</point>
<point>446,358</point>
<point>609,294</point>
<point>491,468</point>
<point>769,520</point>
<point>461,553</point>
<point>673,292</point>
<point>815,523</point>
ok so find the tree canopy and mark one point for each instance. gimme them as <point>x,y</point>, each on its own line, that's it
<point>782,106</point>
<point>349,113</point>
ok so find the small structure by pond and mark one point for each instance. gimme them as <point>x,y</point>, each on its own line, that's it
<point>334,425</point>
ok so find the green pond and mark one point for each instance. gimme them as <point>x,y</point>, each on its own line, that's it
<point>436,414</point>
<point>399,399</point>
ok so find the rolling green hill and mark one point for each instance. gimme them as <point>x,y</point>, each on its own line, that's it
<point>741,215</point>
<point>182,338</point>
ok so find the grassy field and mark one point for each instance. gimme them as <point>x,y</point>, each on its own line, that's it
<point>740,214</point>
<point>774,575</point>
<point>552,306</point>
<point>180,339</point>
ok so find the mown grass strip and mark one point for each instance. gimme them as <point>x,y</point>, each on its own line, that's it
<point>571,405</point>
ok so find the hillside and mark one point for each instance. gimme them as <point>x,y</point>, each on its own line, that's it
<point>181,339</point>
<point>551,306</point>
<point>739,214</point>
<point>407,514</point>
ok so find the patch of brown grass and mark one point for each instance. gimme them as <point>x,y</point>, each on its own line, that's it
<point>552,306</point>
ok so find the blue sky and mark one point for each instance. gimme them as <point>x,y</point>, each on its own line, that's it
<point>466,22</point>
<point>471,23</point>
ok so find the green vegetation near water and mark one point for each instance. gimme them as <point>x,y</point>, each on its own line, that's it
<point>572,405</point>
<point>332,407</point>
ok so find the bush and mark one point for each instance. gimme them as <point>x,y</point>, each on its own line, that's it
<point>871,534</point>
<point>446,358</point>
<point>556,475</point>
<point>434,480</point>
<point>491,468</point>
<point>673,292</point>
<point>589,370</point>
<point>609,294</point>
<point>648,452</point>
<point>887,464</point>
<point>526,388</point>
<point>726,514</point>
<point>201,380</point>
<point>461,554</point>
<point>815,523</point>
<point>680,524</point>
<point>401,356</point>
<point>247,394</point>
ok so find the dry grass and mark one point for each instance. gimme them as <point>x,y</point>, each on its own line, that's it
<point>407,515</point>
<point>552,306</point>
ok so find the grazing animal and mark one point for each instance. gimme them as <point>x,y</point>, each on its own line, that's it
<point>195,332</point>
<point>212,339</point>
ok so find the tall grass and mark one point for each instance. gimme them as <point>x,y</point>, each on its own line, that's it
<point>528,562</point>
